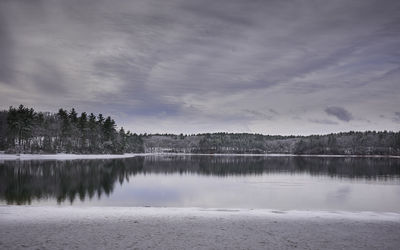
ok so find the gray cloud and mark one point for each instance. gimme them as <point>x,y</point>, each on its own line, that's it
<point>47,79</point>
<point>396,118</point>
<point>340,113</point>
<point>6,49</point>
<point>222,65</point>
<point>257,114</point>
<point>323,121</point>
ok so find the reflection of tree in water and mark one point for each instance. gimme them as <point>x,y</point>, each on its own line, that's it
<point>354,168</point>
<point>24,181</point>
<point>364,168</point>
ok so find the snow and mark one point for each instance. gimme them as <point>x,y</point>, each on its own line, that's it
<point>52,212</point>
<point>64,156</point>
<point>118,156</point>
<point>283,155</point>
<point>187,228</point>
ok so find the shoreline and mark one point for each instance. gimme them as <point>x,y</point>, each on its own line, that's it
<point>282,155</point>
<point>65,156</point>
<point>18,213</point>
<point>131,155</point>
<point>185,228</point>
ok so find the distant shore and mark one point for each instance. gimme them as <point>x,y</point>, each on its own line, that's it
<point>193,228</point>
<point>120,156</point>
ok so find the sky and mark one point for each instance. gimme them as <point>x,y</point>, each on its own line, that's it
<point>193,66</point>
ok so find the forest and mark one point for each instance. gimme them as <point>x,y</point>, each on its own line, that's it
<point>24,130</point>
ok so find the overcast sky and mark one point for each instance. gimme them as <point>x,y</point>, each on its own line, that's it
<point>259,66</point>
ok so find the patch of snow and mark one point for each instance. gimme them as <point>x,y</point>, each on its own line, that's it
<point>33,212</point>
<point>118,156</point>
<point>279,155</point>
<point>193,228</point>
<point>64,156</point>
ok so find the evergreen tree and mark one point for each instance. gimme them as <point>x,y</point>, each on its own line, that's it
<point>83,129</point>
<point>73,116</point>
<point>20,123</point>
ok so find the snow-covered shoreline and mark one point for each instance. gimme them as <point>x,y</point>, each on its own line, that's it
<point>186,228</point>
<point>120,156</point>
<point>64,156</point>
<point>18,213</point>
<point>281,155</point>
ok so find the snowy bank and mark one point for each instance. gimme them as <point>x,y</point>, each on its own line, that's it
<point>16,213</point>
<point>119,156</point>
<point>63,156</point>
<point>280,155</point>
<point>186,228</point>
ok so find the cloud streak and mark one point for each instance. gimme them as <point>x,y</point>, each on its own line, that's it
<point>340,113</point>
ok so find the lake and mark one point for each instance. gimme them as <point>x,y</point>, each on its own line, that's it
<point>226,182</point>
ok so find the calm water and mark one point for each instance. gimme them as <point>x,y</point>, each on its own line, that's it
<point>352,184</point>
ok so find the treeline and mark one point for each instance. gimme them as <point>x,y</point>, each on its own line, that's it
<point>245,143</point>
<point>357,143</point>
<point>23,130</point>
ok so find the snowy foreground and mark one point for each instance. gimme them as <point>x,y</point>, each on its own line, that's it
<point>193,228</point>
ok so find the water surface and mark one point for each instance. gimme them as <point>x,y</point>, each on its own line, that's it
<point>288,183</point>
